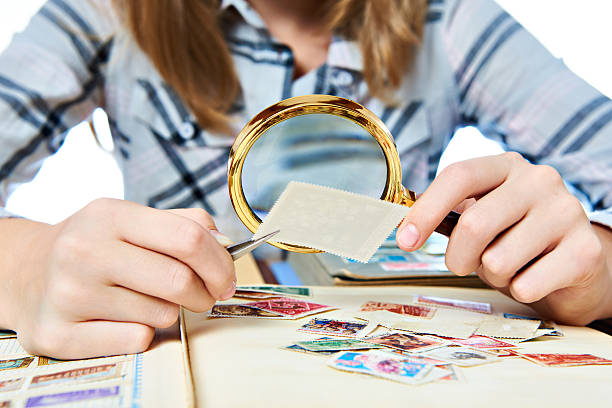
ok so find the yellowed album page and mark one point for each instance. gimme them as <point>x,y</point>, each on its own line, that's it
<point>240,362</point>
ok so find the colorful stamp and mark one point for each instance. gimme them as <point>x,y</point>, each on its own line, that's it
<point>333,327</point>
<point>15,363</point>
<point>336,345</point>
<point>406,342</point>
<point>409,310</point>
<point>282,290</point>
<point>565,360</point>
<point>242,310</point>
<point>293,308</point>
<point>381,364</point>
<point>483,342</point>
<point>455,303</point>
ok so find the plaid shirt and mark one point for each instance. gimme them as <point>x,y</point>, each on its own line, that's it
<point>476,66</point>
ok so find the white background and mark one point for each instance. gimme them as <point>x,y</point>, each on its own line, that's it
<point>577,31</point>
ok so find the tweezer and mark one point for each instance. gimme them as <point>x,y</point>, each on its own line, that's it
<point>243,248</point>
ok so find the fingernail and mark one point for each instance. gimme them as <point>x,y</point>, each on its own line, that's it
<point>408,236</point>
<point>223,240</point>
<point>230,292</point>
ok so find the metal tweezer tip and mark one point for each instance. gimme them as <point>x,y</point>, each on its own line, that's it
<point>242,248</point>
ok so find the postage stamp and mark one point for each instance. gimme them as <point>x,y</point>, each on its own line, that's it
<point>483,342</point>
<point>382,364</point>
<point>7,334</point>
<point>77,375</point>
<point>283,290</point>
<point>336,345</point>
<point>255,294</point>
<point>336,221</point>
<point>410,310</point>
<point>565,360</point>
<point>234,310</point>
<point>295,347</point>
<point>293,308</point>
<point>463,356</point>
<point>406,342</point>
<point>72,397</point>
<point>501,327</point>
<point>455,303</point>
<point>333,327</point>
<point>15,363</point>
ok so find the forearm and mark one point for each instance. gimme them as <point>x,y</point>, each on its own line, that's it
<point>17,252</point>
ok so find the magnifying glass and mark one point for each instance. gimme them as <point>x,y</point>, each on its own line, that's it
<point>319,139</point>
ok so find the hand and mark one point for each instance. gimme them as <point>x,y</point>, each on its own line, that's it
<point>99,282</point>
<point>524,234</point>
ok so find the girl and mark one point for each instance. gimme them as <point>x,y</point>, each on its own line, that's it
<point>178,78</point>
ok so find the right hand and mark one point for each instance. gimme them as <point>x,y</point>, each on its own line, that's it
<point>99,282</point>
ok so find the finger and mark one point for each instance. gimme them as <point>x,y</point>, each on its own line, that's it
<point>466,179</point>
<point>180,238</point>
<point>96,339</point>
<point>205,220</point>
<point>123,305</point>
<point>481,223</point>
<point>518,246</point>
<point>567,265</point>
<point>196,214</point>
<point>158,275</point>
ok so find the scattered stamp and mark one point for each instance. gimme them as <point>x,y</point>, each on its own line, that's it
<point>455,303</point>
<point>336,345</point>
<point>333,327</point>
<point>382,364</point>
<point>295,347</point>
<point>565,360</point>
<point>241,310</point>
<point>406,342</point>
<point>282,290</point>
<point>292,308</point>
<point>463,356</point>
<point>483,342</point>
<point>401,309</point>
<point>255,294</point>
<point>502,327</point>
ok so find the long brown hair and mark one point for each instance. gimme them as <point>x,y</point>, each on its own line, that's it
<point>189,31</point>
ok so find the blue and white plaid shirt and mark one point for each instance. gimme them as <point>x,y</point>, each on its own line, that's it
<point>476,66</point>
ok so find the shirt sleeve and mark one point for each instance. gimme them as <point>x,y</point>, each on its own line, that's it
<point>51,78</point>
<point>516,92</point>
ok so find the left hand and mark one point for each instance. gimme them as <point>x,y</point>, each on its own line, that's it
<point>524,234</point>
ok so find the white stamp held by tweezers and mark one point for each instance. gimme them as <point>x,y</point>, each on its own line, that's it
<point>334,221</point>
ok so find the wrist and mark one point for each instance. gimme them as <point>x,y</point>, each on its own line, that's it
<point>19,250</point>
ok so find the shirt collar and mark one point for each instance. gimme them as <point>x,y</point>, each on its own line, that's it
<point>245,10</point>
<point>342,53</point>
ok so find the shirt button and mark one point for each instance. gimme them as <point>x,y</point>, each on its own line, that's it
<point>343,78</point>
<point>186,130</point>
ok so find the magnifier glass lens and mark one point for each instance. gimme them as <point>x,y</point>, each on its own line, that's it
<point>320,149</point>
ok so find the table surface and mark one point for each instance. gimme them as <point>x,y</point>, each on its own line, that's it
<point>240,362</point>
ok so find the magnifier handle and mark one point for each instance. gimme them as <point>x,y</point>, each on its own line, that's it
<point>448,224</point>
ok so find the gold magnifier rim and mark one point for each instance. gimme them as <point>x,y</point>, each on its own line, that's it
<point>304,105</point>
